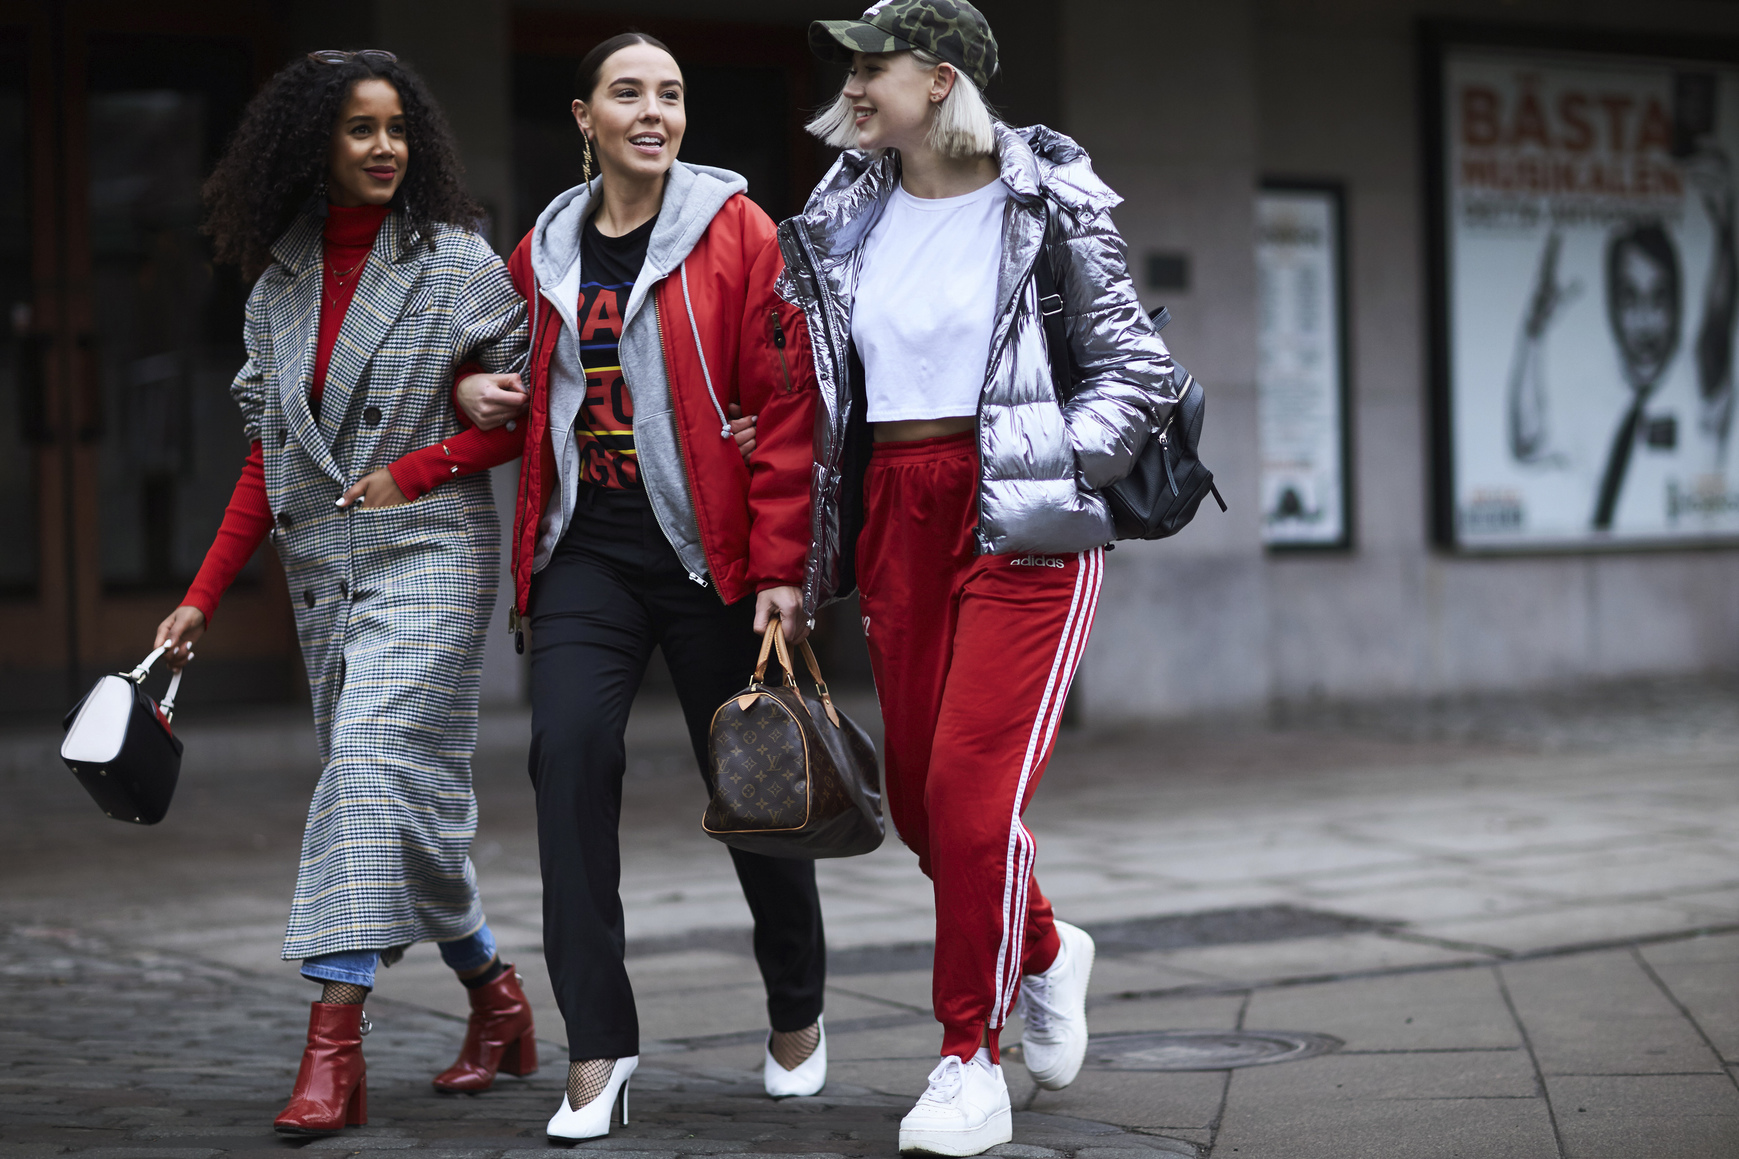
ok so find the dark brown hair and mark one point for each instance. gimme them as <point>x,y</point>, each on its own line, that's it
<point>586,76</point>
<point>278,159</point>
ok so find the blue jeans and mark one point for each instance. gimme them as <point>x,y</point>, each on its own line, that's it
<point>358,966</point>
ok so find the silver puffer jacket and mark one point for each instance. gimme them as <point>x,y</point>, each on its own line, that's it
<point>1041,463</point>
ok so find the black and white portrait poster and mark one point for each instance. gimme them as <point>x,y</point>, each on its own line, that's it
<point>1591,298</point>
<point>1300,367</point>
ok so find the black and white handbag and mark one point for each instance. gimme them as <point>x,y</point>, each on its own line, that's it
<point>121,748</point>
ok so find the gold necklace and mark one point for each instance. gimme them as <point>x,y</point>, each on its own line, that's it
<point>338,277</point>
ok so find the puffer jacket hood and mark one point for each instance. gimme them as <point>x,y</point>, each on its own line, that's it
<point>1042,463</point>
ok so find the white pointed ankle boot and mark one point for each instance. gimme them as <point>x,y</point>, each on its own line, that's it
<point>809,1076</point>
<point>593,1119</point>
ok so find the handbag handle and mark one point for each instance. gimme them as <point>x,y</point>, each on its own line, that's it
<point>773,639</point>
<point>767,639</point>
<point>137,676</point>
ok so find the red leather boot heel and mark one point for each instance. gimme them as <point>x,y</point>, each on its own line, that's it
<point>520,1059</point>
<point>499,1037</point>
<point>330,1089</point>
<point>356,1114</point>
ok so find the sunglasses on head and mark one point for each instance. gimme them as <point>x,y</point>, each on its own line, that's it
<point>339,56</point>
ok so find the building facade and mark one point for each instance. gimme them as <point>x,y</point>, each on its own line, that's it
<point>117,451</point>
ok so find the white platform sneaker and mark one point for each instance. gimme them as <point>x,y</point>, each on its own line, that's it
<point>809,1077</point>
<point>593,1119</point>
<point>1054,1007</point>
<point>965,1111</point>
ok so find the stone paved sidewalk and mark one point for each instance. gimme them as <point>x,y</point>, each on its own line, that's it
<point>1514,923</point>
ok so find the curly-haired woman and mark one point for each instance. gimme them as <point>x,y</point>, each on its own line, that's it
<point>342,194</point>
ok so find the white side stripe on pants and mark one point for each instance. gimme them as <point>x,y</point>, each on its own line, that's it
<point>1021,848</point>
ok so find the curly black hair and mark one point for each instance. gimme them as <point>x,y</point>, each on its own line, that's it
<point>278,158</point>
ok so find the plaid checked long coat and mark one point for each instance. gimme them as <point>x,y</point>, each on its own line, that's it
<point>391,604</point>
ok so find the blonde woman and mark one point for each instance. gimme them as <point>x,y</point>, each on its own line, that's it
<point>958,493</point>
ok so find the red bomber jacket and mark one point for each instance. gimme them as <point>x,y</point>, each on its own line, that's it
<point>753,517</point>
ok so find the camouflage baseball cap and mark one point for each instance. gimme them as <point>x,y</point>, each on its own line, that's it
<point>951,29</point>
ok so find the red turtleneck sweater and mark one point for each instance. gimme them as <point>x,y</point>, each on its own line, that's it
<point>349,239</point>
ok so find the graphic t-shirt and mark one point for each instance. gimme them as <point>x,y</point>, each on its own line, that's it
<point>604,428</point>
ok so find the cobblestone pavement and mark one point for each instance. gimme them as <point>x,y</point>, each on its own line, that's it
<point>1516,921</point>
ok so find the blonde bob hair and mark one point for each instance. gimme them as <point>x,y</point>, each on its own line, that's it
<point>961,126</point>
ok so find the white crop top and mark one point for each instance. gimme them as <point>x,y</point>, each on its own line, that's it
<point>926,303</point>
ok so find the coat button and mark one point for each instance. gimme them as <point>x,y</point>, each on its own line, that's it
<point>308,597</point>
<point>371,416</point>
<point>283,437</point>
<point>285,520</point>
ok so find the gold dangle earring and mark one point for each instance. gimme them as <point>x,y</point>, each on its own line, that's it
<point>586,158</point>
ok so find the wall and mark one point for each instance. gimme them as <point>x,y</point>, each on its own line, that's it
<point>1167,107</point>
<point>1184,108</point>
<point>1337,89</point>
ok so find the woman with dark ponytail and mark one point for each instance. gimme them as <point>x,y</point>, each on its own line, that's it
<point>640,526</point>
<point>342,195</point>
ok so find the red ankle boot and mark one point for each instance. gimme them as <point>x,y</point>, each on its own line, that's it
<point>499,1037</point>
<point>332,1086</point>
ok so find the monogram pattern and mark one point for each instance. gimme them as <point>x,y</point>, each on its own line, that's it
<point>787,781</point>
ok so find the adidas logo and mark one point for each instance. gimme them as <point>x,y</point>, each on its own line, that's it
<point>1036,561</point>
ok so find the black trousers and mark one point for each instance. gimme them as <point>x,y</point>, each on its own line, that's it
<point>613,590</point>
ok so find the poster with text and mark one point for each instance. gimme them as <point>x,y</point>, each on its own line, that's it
<point>1300,368</point>
<point>1592,294</point>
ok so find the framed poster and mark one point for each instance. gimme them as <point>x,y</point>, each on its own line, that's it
<point>1301,377</point>
<point>1586,287</point>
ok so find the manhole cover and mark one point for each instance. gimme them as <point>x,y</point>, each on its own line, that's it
<point>1205,1049</point>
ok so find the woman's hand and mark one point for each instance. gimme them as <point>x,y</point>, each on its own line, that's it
<point>184,625</point>
<point>787,604</point>
<point>374,490</point>
<point>742,429</point>
<point>490,400</point>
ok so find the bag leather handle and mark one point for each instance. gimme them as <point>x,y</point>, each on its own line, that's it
<point>137,676</point>
<point>777,631</point>
<point>773,639</point>
<point>773,642</point>
<point>766,648</point>
<point>820,684</point>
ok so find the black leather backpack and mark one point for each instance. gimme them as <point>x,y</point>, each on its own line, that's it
<point>1169,481</point>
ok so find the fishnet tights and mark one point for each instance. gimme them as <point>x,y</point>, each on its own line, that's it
<point>791,1048</point>
<point>344,994</point>
<point>587,1080</point>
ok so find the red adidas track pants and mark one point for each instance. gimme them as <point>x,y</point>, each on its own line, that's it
<point>972,657</point>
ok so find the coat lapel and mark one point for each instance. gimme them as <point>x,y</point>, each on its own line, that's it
<point>381,291</point>
<point>293,320</point>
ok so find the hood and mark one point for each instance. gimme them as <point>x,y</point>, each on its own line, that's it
<point>693,195</point>
<point>1036,161</point>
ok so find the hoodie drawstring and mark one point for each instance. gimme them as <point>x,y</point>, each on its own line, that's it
<point>694,328</point>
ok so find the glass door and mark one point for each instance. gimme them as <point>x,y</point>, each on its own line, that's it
<point>119,444</point>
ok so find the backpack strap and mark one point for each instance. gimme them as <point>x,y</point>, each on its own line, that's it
<point>1056,333</point>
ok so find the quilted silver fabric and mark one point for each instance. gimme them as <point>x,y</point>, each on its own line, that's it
<point>1041,463</point>
<point>391,604</point>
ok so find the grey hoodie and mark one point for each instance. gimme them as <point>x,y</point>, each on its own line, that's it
<point>693,195</point>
